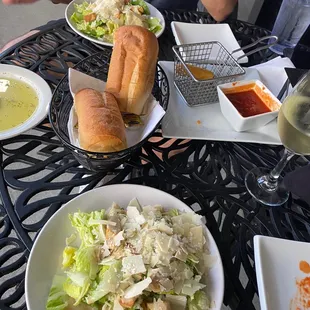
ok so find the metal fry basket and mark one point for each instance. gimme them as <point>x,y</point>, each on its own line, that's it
<point>214,57</point>
<point>211,56</point>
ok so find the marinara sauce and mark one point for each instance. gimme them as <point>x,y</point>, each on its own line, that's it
<point>250,100</point>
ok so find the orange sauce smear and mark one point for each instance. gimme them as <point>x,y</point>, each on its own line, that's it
<point>301,300</point>
<point>304,266</point>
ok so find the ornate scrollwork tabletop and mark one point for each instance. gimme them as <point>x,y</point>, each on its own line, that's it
<point>38,174</point>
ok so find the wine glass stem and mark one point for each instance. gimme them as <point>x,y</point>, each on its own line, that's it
<point>270,182</point>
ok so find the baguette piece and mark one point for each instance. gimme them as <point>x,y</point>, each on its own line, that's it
<point>101,127</point>
<point>132,67</point>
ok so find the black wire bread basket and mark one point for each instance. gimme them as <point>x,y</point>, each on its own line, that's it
<point>97,66</point>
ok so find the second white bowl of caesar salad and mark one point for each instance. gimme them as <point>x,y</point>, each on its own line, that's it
<point>124,246</point>
<point>96,20</point>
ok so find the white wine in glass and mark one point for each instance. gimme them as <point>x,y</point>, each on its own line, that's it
<point>294,130</point>
<point>294,124</point>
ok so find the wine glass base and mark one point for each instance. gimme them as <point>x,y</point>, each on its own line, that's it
<point>255,182</point>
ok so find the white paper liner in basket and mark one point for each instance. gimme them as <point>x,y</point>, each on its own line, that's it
<point>153,112</point>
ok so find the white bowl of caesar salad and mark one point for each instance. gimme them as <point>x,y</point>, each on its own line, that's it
<point>97,20</point>
<point>124,247</point>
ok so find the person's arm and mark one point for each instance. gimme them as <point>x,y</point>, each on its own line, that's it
<point>219,9</point>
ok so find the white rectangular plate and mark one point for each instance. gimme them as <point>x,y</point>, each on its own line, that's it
<point>207,122</point>
<point>186,33</point>
<point>277,269</point>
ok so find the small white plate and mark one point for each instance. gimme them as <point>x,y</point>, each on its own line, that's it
<point>46,253</point>
<point>277,269</point>
<point>70,10</point>
<point>187,33</point>
<point>207,122</point>
<point>42,89</point>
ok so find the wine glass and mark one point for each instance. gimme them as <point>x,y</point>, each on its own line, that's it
<point>294,130</point>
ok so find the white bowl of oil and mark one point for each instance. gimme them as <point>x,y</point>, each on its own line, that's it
<point>24,100</point>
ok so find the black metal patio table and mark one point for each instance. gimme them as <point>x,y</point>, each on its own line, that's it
<point>38,174</point>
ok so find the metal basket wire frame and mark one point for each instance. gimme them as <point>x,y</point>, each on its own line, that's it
<point>211,56</point>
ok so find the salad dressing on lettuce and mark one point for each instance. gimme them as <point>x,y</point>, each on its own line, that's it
<point>139,258</point>
<point>101,18</point>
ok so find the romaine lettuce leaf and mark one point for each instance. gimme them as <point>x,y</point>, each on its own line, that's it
<point>75,291</point>
<point>173,212</point>
<point>100,31</point>
<point>57,298</point>
<point>111,27</point>
<point>108,283</point>
<point>77,17</point>
<point>72,289</point>
<point>68,256</point>
<point>78,278</point>
<point>192,259</point>
<point>89,234</point>
<point>86,261</point>
<point>199,302</point>
<point>82,8</point>
<point>76,286</point>
<point>102,272</point>
<point>143,4</point>
<point>154,24</point>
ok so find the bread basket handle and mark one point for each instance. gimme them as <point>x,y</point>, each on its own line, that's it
<point>275,40</point>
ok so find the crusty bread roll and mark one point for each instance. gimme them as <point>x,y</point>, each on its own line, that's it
<point>132,67</point>
<point>100,123</point>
